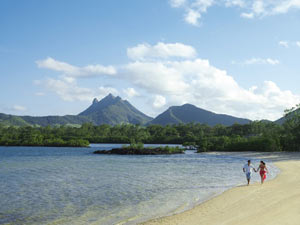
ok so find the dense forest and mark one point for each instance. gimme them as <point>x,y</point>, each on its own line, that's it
<point>255,136</point>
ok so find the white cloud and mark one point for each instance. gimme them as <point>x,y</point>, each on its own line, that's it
<point>160,50</point>
<point>177,3</point>
<point>98,69</point>
<point>66,86</point>
<point>103,91</point>
<point>287,44</point>
<point>68,79</point>
<point>197,82</point>
<point>258,7</point>
<point>284,43</point>
<point>70,91</point>
<point>202,5</point>
<point>159,101</point>
<point>261,61</point>
<point>13,109</point>
<point>194,9</point>
<point>192,17</point>
<point>130,92</point>
<point>273,7</point>
<point>53,64</point>
<point>19,108</point>
<point>247,15</point>
<point>231,3</point>
<point>74,71</point>
<point>167,81</point>
<point>284,6</point>
<point>155,76</point>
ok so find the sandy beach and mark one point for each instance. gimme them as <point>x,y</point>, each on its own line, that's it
<point>275,202</point>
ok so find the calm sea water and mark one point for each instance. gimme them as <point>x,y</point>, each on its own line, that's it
<point>43,185</point>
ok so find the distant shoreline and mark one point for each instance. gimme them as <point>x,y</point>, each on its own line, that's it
<point>166,144</point>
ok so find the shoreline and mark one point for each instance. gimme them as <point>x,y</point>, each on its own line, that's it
<point>277,201</point>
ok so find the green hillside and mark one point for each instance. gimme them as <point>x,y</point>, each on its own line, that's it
<point>113,110</point>
<point>191,114</point>
<point>10,120</point>
<point>110,110</point>
<point>283,119</point>
<point>56,120</point>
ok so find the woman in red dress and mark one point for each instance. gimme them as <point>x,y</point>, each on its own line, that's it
<point>262,171</point>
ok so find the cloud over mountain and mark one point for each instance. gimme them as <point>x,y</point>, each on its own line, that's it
<point>168,74</point>
<point>197,82</point>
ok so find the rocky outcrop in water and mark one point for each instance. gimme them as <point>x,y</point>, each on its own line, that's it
<point>144,151</point>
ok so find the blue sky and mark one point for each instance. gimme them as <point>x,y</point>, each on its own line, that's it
<point>228,56</point>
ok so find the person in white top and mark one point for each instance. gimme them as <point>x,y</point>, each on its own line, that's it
<point>247,170</point>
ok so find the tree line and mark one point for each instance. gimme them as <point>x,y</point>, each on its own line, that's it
<point>255,136</point>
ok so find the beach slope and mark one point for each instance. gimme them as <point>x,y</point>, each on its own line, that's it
<point>277,202</point>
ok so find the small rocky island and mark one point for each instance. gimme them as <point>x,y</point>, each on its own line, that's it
<point>139,149</point>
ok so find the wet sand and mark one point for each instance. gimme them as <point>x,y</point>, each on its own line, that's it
<point>276,202</point>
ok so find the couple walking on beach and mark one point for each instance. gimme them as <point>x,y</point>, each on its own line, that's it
<point>262,168</point>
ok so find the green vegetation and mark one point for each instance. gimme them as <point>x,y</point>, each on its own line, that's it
<point>255,136</point>
<point>21,121</point>
<point>291,136</point>
<point>41,136</point>
<point>43,121</point>
<point>134,145</point>
<point>172,150</point>
<point>237,143</point>
<point>166,149</point>
<point>10,120</point>
<point>139,149</point>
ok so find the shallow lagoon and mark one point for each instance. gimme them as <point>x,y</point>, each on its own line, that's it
<point>72,186</point>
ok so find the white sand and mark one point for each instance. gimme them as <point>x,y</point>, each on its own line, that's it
<point>276,202</point>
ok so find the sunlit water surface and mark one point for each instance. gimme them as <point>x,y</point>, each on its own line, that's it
<point>41,185</point>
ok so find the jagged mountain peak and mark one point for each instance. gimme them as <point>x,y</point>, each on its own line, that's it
<point>113,110</point>
<point>109,96</point>
<point>95,101</point>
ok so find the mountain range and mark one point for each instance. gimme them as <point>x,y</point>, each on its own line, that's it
<point>114,110</point>
<point>283,119</point>
<point>188,113</point>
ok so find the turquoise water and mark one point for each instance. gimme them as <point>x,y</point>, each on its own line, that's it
<point>43,185</point>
